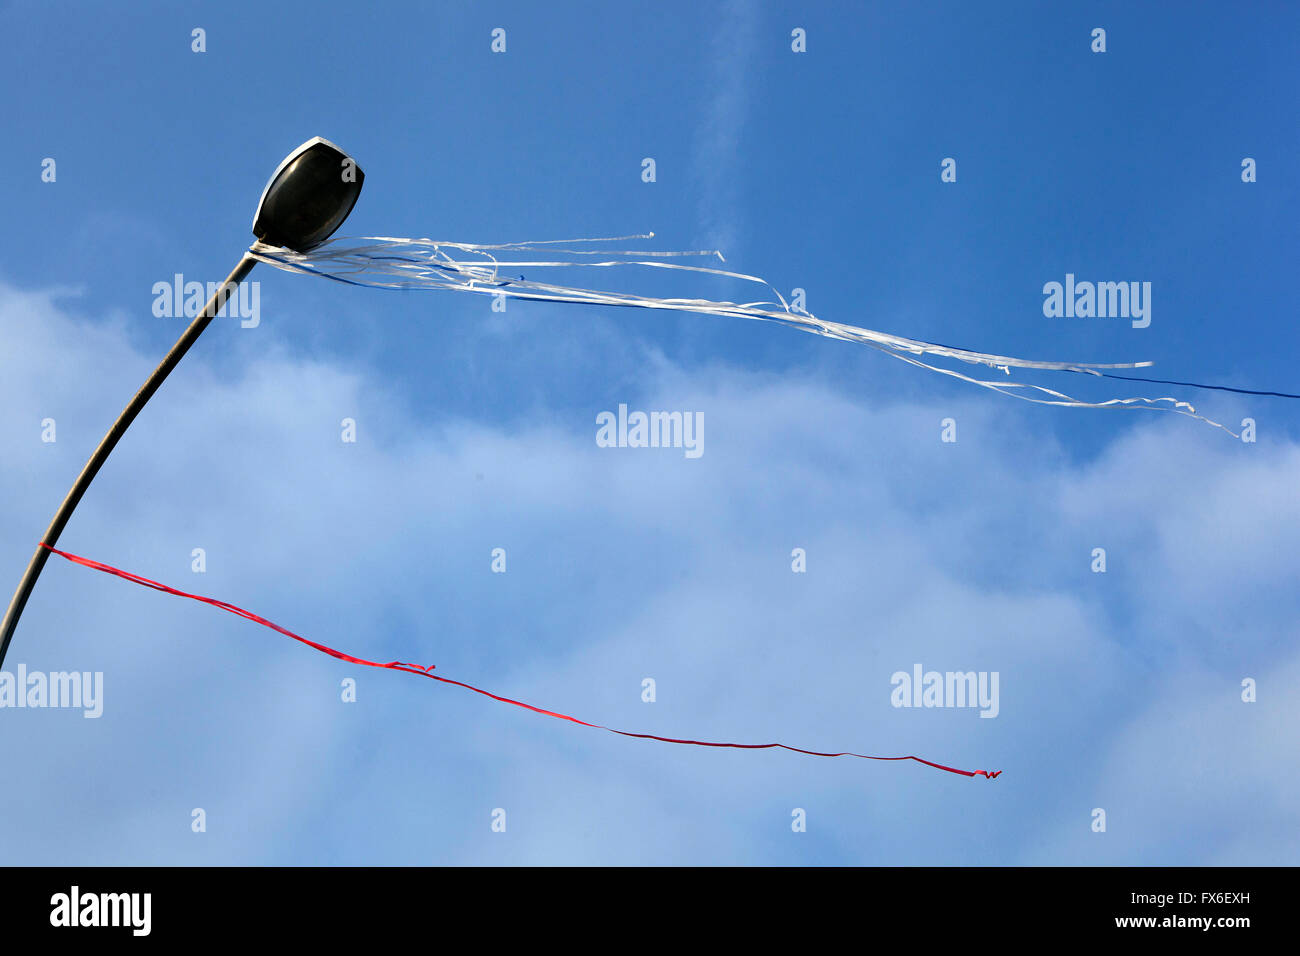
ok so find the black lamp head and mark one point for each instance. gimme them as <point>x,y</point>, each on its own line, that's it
<point>310,194</point>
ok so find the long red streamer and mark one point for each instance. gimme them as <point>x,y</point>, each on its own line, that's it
<point>424,671</point>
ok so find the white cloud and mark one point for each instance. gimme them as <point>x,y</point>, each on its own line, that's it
<point>1117,690</point>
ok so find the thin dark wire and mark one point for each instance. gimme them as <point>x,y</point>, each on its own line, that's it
<point>1217,388</point>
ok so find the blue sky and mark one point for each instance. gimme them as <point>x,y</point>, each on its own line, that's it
<point>476,430</point>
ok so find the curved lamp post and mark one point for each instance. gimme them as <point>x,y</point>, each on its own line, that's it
<point>307,198</point>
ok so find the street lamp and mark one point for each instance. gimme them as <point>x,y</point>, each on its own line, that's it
<point>307,198</point>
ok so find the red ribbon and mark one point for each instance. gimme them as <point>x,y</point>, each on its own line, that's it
<point>424,671</point>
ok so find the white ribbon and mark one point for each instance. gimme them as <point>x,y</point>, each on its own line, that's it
<point>385,262</point>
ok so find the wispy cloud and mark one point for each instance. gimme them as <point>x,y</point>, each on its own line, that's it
<point>625,565</point>
<point>717,160</point>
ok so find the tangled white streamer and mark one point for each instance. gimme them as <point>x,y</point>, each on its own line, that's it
<point>384,262</point>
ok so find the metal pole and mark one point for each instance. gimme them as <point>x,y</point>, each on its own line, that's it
<point>188,337</point>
